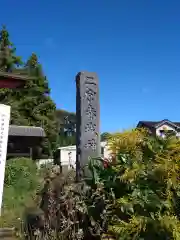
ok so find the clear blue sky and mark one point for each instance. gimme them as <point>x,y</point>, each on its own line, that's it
<point>133,45</point>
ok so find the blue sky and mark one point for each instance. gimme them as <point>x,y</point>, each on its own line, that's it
<point>133,45</point>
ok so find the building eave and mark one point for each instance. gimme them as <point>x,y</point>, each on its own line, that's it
<point>157,124</point>
<point>16,76</point>
<point>166,121</point>
<point>26,131</point>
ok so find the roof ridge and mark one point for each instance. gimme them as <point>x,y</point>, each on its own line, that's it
<point>13,125</point>
<point>15,130</point>
<point>158,123</point>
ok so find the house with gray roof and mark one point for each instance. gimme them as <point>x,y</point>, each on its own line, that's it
<point>25,141</point>
<point>159,128</point>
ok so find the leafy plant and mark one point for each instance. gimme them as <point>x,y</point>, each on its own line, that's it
<point>141,189</point>
<point>21,173</point>
<point>20,185</point>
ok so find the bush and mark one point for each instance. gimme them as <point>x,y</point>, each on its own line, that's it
<point>20,185</point>
<point>140,192</point>
<point>21,174</point>
<point>61,206</point>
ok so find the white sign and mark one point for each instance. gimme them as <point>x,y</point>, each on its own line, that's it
<point>4,130</point>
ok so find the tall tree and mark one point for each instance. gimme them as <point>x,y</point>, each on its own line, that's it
<point>36,103</point>
<point>31,105</point>
<point>40,83</point>
<point>9,63</point>
<point>8,58</point>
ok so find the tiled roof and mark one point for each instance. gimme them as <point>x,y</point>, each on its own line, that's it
<point>149,123</point>
<point>15,76</point>
<point>177,123</point>
<point>28,131</point>
<point>153,124</point>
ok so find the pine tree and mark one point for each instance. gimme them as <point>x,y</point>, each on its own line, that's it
<point>34,69</point>
<point>8,58</point>
<point>36,103</point>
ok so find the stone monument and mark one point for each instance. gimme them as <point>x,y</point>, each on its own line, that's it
<point>88,120</point>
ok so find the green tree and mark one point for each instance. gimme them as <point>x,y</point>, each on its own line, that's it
<point>67,126</point>
<point>9,63</point>
<point>8,58</point>
<point>39,84</point>
<point>36,104</point>
<point>32,105</point>
<point>105,136</point>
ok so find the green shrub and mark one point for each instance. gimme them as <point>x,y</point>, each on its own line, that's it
<point>21,174</point>
<point>139,192</point>
<point>20,185</point>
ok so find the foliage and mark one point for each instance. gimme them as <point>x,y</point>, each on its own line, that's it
<point>8,58</point>
<point>8,61</point>
<point>67,209</point>
<point>20,184</point>
<point>61,204</point>
<point>105,136</point>
<point>67,126</point>
<point>36,104</point>
<point>39,84</point>
<point>32,105</point>
<point>140,193</point>
<point>18,169</point>
<point>135,197</point>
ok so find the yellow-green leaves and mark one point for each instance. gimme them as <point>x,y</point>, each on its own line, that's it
<point>145,180</point>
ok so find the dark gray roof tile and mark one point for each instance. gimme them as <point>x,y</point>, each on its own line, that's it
<point>154,124</point>
<point>28,131</point>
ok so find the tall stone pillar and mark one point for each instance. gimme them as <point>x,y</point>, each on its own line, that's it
<point>88,119</point>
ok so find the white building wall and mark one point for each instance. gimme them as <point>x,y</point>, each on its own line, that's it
<point>68,154</point>
<point>45,162</point>
<point>164,127</point>
<point>107,152</point>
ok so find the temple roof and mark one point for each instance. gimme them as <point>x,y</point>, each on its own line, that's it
<point>26,131</point>
<point>15,75</point>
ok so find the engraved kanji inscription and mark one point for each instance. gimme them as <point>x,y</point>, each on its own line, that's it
<point>89,78</point>
<point>90,94</point>
<point>87,112</point>
<point>91,112</point>
<point>90,127</point>
<point>91,144</point>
